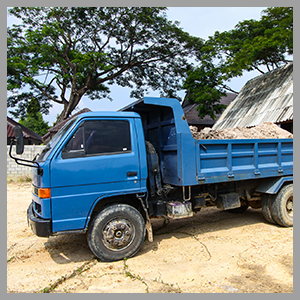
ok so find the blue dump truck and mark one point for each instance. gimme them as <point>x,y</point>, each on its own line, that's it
<point>107,174</point>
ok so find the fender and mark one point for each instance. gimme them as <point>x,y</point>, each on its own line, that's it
<point>273,185</point>
<point>103,197</point>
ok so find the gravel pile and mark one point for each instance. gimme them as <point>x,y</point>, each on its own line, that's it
<point>266,130</point>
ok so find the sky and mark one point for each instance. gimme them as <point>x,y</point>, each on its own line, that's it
<point>198,21</point>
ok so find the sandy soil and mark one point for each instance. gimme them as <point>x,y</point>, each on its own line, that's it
<point>212,252</point>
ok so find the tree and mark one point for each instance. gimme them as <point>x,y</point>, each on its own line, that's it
<point>34,119</point>
<point>201,89</point>
<point>249,46</point>
<point>83,50</point>
<point>252,43</point>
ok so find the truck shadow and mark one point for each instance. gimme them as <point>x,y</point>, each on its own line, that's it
<point>65,249</point>
<point>208,220</point>
<point>72,248</point>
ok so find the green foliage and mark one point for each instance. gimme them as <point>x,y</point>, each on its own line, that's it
<point>253,43</point>
<point>34,119</point>
<point>250,45</point>
<point>202,86</point>
<point>36,124</point>
<point>63,53</point>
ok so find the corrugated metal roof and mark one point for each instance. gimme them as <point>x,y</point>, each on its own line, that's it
<point>266,98</point>
<point>27,133</point>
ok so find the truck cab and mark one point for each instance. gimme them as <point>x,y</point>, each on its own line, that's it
<point>91,157</point>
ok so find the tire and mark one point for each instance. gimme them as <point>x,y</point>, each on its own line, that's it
<point>116,232</point>
<point>282,206</point>
<point>266,207</point>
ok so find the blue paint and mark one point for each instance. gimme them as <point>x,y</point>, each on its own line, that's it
<point>78,183</point>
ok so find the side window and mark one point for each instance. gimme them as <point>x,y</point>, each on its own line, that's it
<point>76,141</point>
<point>107,136</point>
<point>99,137</point>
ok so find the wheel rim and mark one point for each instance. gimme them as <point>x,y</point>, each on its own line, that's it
<point>118,234</point>
<point>289,206</point>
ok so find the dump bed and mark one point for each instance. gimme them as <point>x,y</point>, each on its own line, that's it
<point>186,161</point>
<point>223,160</point>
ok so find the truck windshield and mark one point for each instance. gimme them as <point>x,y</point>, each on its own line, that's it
<point>55,139</point>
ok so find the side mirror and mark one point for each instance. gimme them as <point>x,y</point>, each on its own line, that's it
<point>20,149</point>
<point>19,139</point>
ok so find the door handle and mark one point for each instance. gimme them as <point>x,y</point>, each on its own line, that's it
<point>131,174</point>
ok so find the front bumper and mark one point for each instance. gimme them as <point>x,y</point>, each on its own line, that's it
<point>39,226</point>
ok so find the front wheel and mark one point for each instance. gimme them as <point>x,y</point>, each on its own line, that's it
<point>282,206</point>
<point>116,232</point>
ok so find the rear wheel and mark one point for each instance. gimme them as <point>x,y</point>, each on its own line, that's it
<point>266,207</point>
<point>282,206</point>
<point>116,232</point>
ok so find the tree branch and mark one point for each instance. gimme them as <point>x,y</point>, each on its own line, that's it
<point>228,88</point>
<point>256,68</point>
<point>46,94</point>
<point>100,48</point>
<point>62,67</point>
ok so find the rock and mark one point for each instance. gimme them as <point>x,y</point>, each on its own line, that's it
<point>229,288</point>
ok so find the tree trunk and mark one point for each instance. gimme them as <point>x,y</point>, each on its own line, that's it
<point>69,106</point>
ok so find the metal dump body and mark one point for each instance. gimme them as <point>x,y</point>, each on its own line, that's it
<point>186,161</point>
<point>224,160</point>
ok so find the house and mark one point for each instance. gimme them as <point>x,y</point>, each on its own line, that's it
<point>30,137</point>
<point>192,117</point>
<point>53,130</point>
<point>265,98</point>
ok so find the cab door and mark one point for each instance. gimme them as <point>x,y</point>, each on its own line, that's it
<point>100,158</point>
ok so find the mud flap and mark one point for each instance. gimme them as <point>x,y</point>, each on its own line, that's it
<point>228,201</point>
<point>148,223</point>
<point>149,231</point>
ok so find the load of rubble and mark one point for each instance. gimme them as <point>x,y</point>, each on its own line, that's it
<point>266,130</point>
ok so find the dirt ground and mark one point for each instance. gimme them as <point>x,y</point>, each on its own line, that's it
<point>212,252</point>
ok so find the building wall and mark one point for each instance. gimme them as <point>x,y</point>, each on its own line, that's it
<point>13,169</point>
<point>27,141</point>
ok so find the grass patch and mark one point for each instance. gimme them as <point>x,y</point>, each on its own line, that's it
<point>24,178</point>
<point>133,276</point>
<point>86,266</point>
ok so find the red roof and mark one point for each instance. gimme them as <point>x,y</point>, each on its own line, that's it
<point>27,133</point>
<point>192,114</point>
<point>53,130</point>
